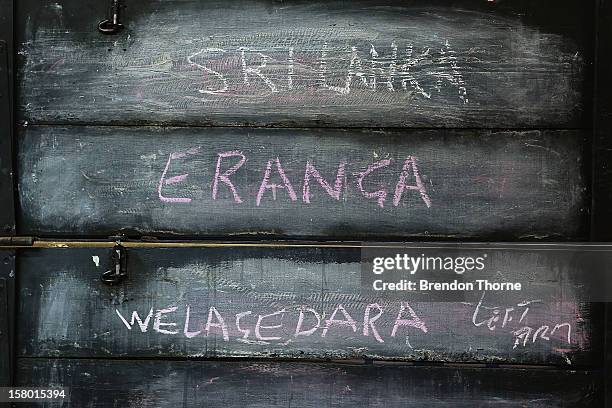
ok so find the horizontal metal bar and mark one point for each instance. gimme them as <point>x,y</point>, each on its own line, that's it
<point>32,243</point>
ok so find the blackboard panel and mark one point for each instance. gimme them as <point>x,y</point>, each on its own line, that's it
<point>247,182</point>
<point>302,63</point>
<point>95,383</point>
<point>266,302</point>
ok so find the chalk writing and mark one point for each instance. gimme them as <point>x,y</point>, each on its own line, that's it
<point>265,183</point>
<point>311,171</point>
<point>263,328</point>
<point>176,179</point>
<point>496,317</point>
<point>377,321</point>
<point>255,71</point>
<point>524,334</point>
<point>225,177</point>
<point>231,164</point>
<point>220,77</point>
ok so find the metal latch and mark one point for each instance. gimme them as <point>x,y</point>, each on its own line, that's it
<point>118,271</point>
<point>111,25</point>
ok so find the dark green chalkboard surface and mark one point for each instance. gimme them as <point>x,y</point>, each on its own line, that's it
<point>293,63</point>
<point>227,164</point>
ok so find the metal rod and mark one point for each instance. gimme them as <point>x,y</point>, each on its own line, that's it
<point>60,244</point>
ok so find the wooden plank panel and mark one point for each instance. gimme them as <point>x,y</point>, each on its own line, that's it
<point>286,301</point>
<point>248,182</point>
<point>255,384</point>
<point>301,63</point>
